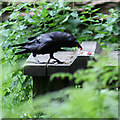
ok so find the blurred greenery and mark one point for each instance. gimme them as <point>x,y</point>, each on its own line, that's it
<point>98,96</point>
<point>96,99</point>
<point>77,103</point>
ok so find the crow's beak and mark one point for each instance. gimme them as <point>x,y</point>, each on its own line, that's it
<point>79,46</point>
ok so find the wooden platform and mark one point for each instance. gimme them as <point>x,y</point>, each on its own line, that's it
<point>73,60</point>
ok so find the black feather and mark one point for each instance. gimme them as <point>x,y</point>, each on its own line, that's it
<point>32,38</point>
<point>21,52</point>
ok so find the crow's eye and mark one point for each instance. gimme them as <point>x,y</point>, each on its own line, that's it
<point>69,37</point>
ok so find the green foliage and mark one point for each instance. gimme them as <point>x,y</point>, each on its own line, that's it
<point>105,32</point>
<point>70,103</point>
<point>97,98</point>
<point>17,88</point>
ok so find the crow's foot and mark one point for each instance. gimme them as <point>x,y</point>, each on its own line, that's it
<point>56,61</point>
<point>60,62</point>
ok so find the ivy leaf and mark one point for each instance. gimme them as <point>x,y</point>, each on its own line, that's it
<point>82,38</point>
<point>95,10</point>
<point>52,24</point>
<point>14,15</point>
<point>74,22</point>
<point>82,17</point>
<point>26,11</point>
<point>27,17</point>
<point>99,36</point>
<point>109,28</point>
<point>17,36</point>
<point>89,32</point>
<point>44,12</point>
<point>33,9</point>
<point>85,12</point>
<point>74,14</point>
<point>66,19</point>
<point>51,12</point>
<point>5,32</point>
<point>30,20</point>
<point>22,27</point>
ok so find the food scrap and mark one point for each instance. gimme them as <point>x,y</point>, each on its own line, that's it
<point>86,53</point>
<point>89,53</point>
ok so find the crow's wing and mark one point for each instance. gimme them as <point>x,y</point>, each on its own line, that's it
<point>32,48</point>
<point>44,38</point>
<point>45,44</point>
<point>38,46</point>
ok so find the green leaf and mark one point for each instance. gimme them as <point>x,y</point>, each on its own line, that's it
<point>74,22</point>
<point>95,10</point>
<point>66,19</point>
<point>99,36</point>
<point>112,10</point>
<point>84,20</point>
<point>5,32</point>
<point>44,12</point>
<point>89,32</point>
<point>96,20</point>
<point>74,14</point>
<point>30,20</point>
<point>88,7</point>
<point>109,28</point>
<point>82,38</point>
<point>22,27</point>
<point>17,36</point>
<point>14,15</point>
<point>33,9</point>
<point>102,32</point>
<point>85,12</point>
<point>27,17</point>
<point>82,17</point>
<point>51,12</point>
<point>52,24</point>
<point>26,11</point>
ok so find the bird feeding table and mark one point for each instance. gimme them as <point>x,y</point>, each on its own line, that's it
<point>74,60</point>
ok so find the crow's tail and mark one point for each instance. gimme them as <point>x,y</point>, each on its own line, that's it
<point>23,44</point>
<point>19,44</point>
<point>21,52</point>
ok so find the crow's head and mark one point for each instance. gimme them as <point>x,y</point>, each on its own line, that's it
<point>70,37</point>
<point>73,41</point>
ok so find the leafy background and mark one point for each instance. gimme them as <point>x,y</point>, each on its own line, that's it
<point>98,97</point>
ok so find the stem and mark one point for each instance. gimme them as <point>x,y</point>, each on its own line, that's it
<point>73,4</point>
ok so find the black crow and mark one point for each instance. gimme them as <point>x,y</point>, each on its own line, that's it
<point>48,43</point>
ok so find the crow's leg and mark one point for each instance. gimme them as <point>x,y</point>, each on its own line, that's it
<point>52,57</point>
<point>48,60</point>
